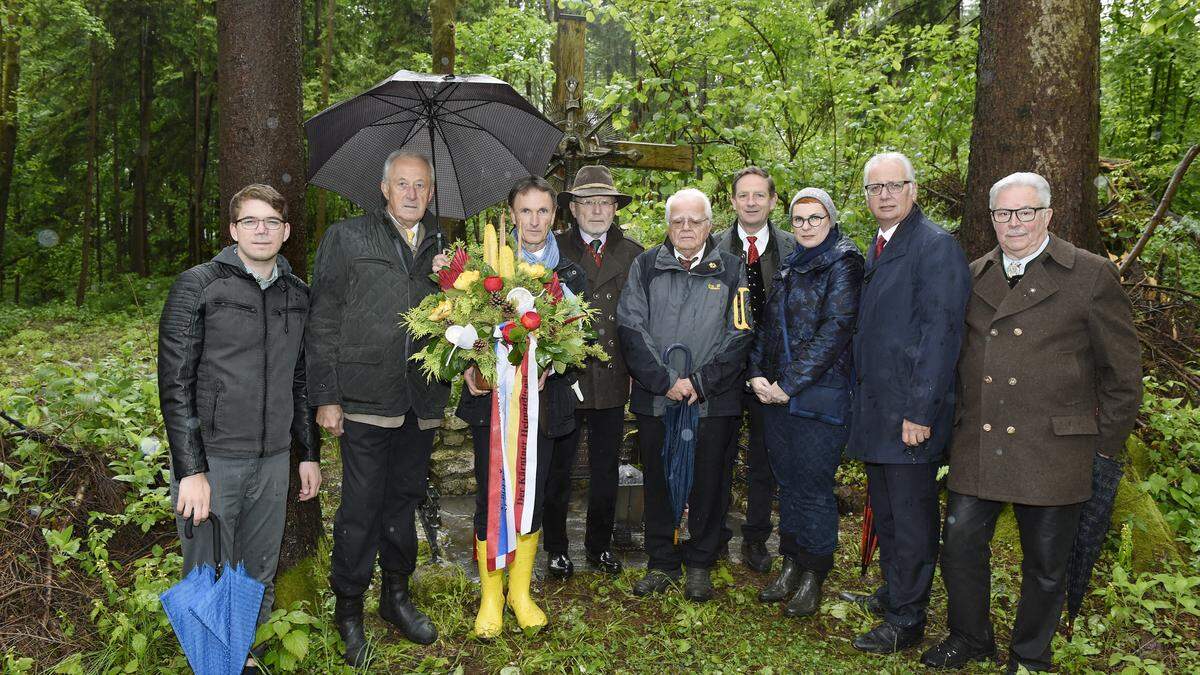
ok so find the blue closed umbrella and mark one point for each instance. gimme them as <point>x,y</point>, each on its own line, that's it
<point>214,614</point>
<point>679,442</point>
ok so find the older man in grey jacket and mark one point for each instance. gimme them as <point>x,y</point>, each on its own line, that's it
<point>684,291</point>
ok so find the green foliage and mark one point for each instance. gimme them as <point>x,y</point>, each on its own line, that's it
<point>1173,443</point>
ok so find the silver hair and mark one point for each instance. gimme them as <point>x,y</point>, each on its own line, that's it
<point>1021,179</point>
<point>875,160</point>
<point>690,192</point>
<point>405,154</point>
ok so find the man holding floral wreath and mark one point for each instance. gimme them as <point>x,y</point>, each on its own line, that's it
<point>531,205</point>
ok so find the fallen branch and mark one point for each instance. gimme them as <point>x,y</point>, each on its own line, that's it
<point>1163,206</point>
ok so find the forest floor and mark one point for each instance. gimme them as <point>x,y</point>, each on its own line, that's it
<point>596,623</point>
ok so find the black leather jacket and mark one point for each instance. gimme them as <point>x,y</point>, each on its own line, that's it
<point>231,376</point>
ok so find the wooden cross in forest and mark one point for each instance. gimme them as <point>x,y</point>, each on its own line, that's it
<point>586,140</point>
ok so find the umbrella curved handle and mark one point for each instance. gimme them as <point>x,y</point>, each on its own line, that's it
<point>687,356</point>
<point>216,528</point>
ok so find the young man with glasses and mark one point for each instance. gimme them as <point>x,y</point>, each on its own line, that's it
<point>231,380</point>
<point>906,343</point>
<point>598,246</point>
<point>762,248</point>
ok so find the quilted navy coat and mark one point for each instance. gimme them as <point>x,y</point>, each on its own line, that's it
<point>821,300</point>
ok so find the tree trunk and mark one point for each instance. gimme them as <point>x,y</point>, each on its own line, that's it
<point>116,222</point>
<point>91,215</point>
<point>260,141</point>
<point>138,261</point>
<point>326,74</point>
<point>1037,108</point>
<point>10,74</point>
<point>442,14</point>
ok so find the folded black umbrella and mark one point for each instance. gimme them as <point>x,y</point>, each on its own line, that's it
<point>480,134</point>
<point>1094,522</point>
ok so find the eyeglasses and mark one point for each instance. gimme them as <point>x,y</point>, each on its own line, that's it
<point>591,203</point>
<point>1024,214</point>
<point>251,224</point>
<point>685,223</point>
<point>810,223</point>
<point>875,189</point>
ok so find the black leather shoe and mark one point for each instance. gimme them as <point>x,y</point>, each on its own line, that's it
<point>698,586</point>
<point>655,581</point>
<point>605,562</point>
<point>867,601</point>
<point>807,599</point>
<point>396,607</point>
<point>954,652</point>
<point>756,557</point>
<point>783,585</point>
<point>348,616</point>
<point>560,566</point>
<point>888,638</point>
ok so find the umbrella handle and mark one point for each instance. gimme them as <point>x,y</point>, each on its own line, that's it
<point>687,356</point>
<point>216,528</point>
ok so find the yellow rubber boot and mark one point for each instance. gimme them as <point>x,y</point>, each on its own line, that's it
<point>490,619</point>
<point>529,615</point>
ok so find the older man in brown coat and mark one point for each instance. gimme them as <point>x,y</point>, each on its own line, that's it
<point>597,244</point>
<point>1049,383</point>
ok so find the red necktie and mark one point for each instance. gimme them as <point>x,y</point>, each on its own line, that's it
<point>597,251</point>
<point>752,255</point>
<point>880,242</point>
<point>686,262</point>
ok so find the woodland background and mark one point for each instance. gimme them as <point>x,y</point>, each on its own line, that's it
<point>125,125</point>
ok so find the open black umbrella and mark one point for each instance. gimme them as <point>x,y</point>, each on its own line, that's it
<point>1094,520</point>
<point>480,134</point>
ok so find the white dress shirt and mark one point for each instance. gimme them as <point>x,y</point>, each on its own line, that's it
<point>760,239</point>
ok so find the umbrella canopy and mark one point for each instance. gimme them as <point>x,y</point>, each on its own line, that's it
<point>679,442</point>
<point>214,614</point>
<point>1094,520</point>
<point>480,134</point>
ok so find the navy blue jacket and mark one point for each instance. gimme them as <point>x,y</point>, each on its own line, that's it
<point>906,343</point>
<point>821,298</point>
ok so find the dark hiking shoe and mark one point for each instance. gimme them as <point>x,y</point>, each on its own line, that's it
<point>397,608</point>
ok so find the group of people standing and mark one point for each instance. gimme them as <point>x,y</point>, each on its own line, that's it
<point>1022,366</point>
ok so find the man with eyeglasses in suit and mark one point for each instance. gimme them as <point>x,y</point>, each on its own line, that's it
<point>906,342</point>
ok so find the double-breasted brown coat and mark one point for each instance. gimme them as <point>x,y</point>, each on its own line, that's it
<point>604,384</point>
<point>1049,374</point>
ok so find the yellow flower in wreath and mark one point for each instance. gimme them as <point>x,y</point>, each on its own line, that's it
<point>464,280</point>
<point>442,310</point>
<point>536,271</point>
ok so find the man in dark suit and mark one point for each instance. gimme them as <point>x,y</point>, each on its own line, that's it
<point>1050,382</point>
<point>909,330</point>
<point>597,244</point>
<point>762,247</point>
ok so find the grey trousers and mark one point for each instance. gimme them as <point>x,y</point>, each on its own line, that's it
<point>248,496</point>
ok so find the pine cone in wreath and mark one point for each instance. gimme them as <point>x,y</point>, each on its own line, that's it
<point>480,345</point>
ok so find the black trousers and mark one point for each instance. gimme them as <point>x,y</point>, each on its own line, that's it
<point>762,487</point>
<point>481,441</point>
<point>605,427</point>
<point>1047,533</point>
<point>904,498</point>
<point>384,473</point>
<point>708,502</point>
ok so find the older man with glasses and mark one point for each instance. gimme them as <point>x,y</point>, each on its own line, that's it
<point>683,293</point>
<point>1050,384</point>
<point>597,244</point>
<point>906,343</point>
